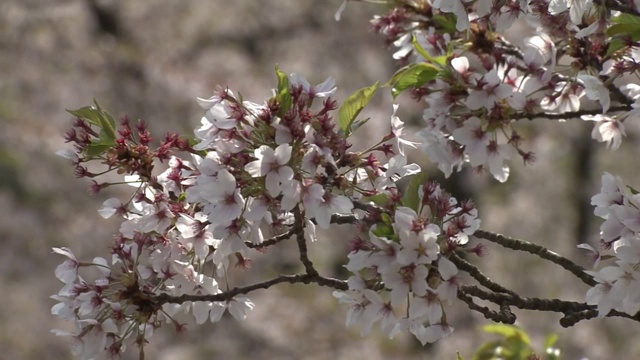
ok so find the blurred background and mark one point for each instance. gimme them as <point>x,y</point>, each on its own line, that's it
<point>149,60</point>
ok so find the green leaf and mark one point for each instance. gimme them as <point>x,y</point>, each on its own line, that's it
<point>620,29</point>
<point>458,356</point>
<point>352,107</point>
<point>410,198</point>
<point>625,25</point>
<point>627,19</point>
<point>383,230</point>
<point>356,124</point>
<point>412,76</point>
<point>615,44</point>
<point>98,117</point>
<point>100,146</point>
<point>282,94</point>
<point>447,23</point>
<point>508,331</point>
<point>378,199</point>
<point>551,340</point>
<point>488,350</point>
<point>439,60</point>
<point>386,219</point>
<point>106,121</point>
<point>88,113</point>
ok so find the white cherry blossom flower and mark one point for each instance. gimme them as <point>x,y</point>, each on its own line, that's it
<point>457,8</point>
<point>397,129</point>
<point>401,280</point>
<point>428,306</point>
<point>272,164</point>
<point>475,140</point>
<point>323,90</point>
<point>612,192</point>
<point>225,201</point>
<point>418,248</point>
<point>195,234</point>
<point>607,129</point>
<point>595,90</point>
<point>237,307</point>
<point>448,289</point>
<point>67,272</point>
<point>493,90</point>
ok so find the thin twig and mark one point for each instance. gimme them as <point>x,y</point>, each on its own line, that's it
<point>569,114</point>
<point>478,275</point>
<point>298,229</point>
<point>228,295</point>
<point>271,241</point>
<point>541,251</point>
<point>488,313</point>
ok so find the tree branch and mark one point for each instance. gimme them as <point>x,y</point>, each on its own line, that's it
<point>298,229</point>
<point>503,317</point>
<point>478,275</point>
<point>569,114</point>
<point>228,295</point>
<point>271,241</point>
<point>522,245</point>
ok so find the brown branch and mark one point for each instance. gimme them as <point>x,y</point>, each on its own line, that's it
<point>574,312</point>
<point>569,114</point>
<point>478,275</point>
<point>228,295</point>
<point>503,317</point>
<point>271,241</point>
<point>618,6</point>
<point>522,245</point>
<point>298,229</point>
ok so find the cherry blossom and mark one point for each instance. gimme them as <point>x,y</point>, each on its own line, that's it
<point>272,164</point>
<point>607,129</point>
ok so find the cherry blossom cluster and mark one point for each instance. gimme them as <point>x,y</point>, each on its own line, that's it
<point>485,83</point>
<point>287,165</point>
<point>618,284</point>
<point>402,274</point>
<point>284,164</point>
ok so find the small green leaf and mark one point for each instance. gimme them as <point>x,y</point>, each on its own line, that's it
<point>633,191</point>
<point>352,107</point>
<point>98,117</point>
<point>624,26</point>
<point>551,340</point>
<point>356,124</point>
<point>378,199</point>
<point>383,230</point>
<point>96,149</point>
<point>410,198</point>
<point>628,19</point>
<point>106,121</point>
<point>615,44</point>
<point>447,23</point>
<point>488,350</point>
<point>508,331</point>
<point>412,76</point>
<point>439,60</point>
<point>620,29</point>
<point>283,95</point>
<point>386,219</point>
<point>88,113</point>
<point>458,356</point>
